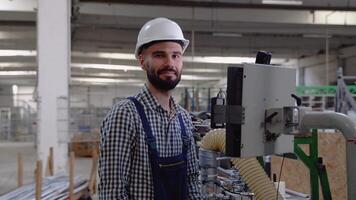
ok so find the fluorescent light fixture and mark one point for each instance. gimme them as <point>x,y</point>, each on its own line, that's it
<point>282,2</point>
<point>126,56</point>
<point>226,34</point>
<point>197,59</point>
<point>106,66</point>
<point>219,60</point>
<point>202,70</point>
<point>17,52</point>
<point>121,56</point>
<point>110,75</point>
<point>17,73</point>
<point>200,78</point>
<point>17,64</point>
<point>106,80</point>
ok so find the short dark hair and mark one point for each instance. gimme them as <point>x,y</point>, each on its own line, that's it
<point>145,46</point>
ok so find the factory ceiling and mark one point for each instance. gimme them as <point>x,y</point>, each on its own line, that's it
<point>222,33</point>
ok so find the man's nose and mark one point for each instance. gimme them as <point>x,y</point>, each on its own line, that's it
<point>169,61</point>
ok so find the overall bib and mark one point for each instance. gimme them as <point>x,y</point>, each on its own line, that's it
<point>169,174</point>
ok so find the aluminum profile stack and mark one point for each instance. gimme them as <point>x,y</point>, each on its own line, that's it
<point>53,188</point>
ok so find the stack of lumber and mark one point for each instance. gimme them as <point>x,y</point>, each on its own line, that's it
<point>54,187</point>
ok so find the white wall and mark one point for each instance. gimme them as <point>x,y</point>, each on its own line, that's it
<point>313,70</point>
<point>350,66</point>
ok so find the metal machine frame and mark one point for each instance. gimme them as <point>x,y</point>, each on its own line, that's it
<point>314,163</point>
<point>251,90</point>
<point>280,117</point>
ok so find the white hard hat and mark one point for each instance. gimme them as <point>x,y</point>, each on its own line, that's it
<point>160,29</point>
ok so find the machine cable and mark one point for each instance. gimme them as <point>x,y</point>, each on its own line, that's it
<point>279,178</point>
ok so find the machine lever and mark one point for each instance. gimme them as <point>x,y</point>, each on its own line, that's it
<point>269,118</point>
<point>297,99</point>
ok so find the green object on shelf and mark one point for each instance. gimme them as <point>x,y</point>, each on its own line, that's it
<point>315,165</point>
<point>327,90</point>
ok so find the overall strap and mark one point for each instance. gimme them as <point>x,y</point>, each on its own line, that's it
<point>150,139</point>
<point>185,139</point>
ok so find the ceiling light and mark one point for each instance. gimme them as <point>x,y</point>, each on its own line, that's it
<point>200,78</point>
<point>121,56</point>
<point>17,73</point>
<point>16,64</point>
<point>17,52</point>
<point>219,60</point>
<point>282,2</point>
<point>202,70</point>
<point>196,59</point>
<point>106,80</point>
<point>107,66</point>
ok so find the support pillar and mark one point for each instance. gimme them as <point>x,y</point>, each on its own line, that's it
<point>53,57</point>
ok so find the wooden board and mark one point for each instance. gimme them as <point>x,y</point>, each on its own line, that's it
<point>84,148</point>
<point>332,149</point>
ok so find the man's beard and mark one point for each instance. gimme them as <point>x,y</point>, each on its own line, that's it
<point>161,84</point>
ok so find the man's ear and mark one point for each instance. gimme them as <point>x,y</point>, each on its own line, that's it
<point>141,59</point>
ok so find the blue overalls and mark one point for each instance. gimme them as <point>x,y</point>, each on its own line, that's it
<point>169,174</point>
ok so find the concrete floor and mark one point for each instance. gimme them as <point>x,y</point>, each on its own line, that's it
<point>8,164</point>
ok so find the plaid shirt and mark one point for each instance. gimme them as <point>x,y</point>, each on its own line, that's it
<point>124,166</point>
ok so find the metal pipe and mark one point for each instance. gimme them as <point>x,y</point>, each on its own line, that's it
<point>333,120</point>
<point>329,120</point>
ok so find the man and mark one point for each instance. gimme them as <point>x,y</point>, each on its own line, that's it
<point>147,149</point>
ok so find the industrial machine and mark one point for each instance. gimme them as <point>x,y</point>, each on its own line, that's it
<point>344,101</point>
<point>262,116</point>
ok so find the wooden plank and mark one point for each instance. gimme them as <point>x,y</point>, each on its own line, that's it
<point>71,175</point>
<point>83,194</point>
<point>92,178</point>
<point>49,166</point>
<point>19,170</point>
<point>332,149</point>
<point>51,170</point>
<point>84,148</point>
<point>38,179</point>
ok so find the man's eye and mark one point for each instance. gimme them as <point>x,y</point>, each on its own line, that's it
<point>158,55</point>
<point>175,56</point>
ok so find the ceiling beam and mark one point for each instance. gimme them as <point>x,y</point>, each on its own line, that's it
<point>217,15</point>
<point>216,4</point>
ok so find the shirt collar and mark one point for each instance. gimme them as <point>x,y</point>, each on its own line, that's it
<point>152,102</point>
<point>149,99</point>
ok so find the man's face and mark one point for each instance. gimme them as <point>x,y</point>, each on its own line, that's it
<point>163,64</point>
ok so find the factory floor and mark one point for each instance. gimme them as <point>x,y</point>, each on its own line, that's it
<point>8,164</point>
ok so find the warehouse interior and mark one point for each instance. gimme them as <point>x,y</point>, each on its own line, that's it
<point>64,64</point>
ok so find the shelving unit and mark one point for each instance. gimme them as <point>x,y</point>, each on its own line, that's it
<point>321,98</point>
